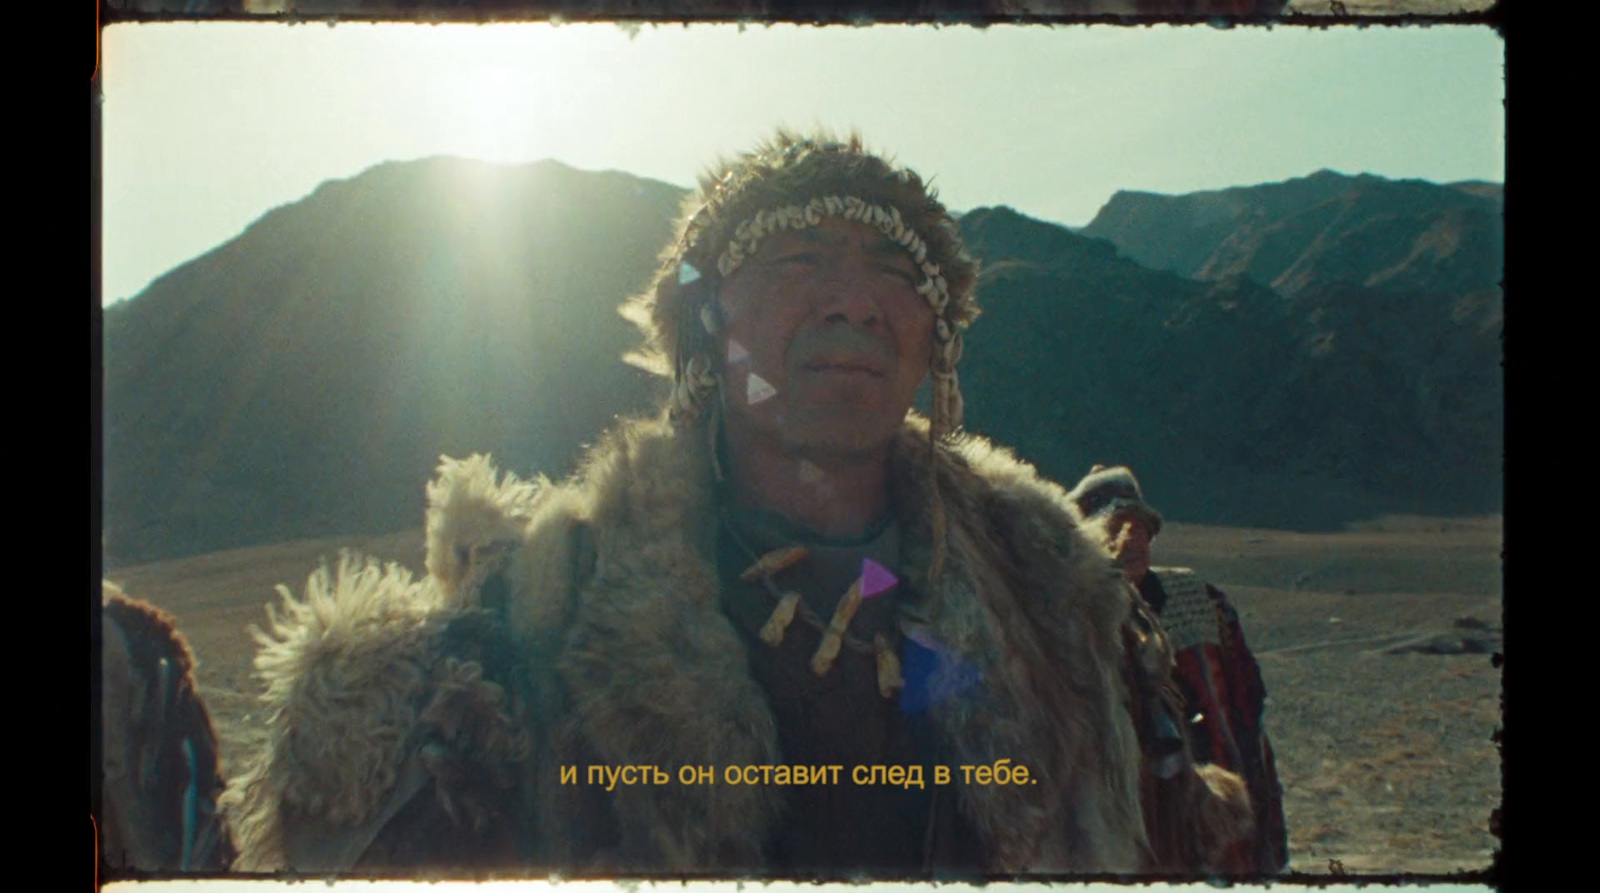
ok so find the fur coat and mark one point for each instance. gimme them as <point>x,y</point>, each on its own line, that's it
<point>579,624</point>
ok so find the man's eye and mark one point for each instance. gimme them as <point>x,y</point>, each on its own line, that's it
<point>904,274</point>
<point>802,257</point>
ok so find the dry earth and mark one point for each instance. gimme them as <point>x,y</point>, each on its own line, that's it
<point>1384,750</point>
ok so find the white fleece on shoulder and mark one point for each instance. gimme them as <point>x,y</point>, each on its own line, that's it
<point>474,515</point>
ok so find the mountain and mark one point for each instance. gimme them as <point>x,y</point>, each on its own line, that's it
<point>1365,230</point>
<point>1398,283</point>
<point>1234,403</point>
<point>303,379</point>
<point>1082,356</point>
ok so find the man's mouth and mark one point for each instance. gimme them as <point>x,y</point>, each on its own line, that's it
<point>846,367</point>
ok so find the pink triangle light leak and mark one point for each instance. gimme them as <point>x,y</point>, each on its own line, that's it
<point>875,579</point>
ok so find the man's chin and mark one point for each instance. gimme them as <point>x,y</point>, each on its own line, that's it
<point>1131,563</point>
<point>842,433</point>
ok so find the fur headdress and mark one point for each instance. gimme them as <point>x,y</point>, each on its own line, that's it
<point>1105,493</point>
<point>791,182</point>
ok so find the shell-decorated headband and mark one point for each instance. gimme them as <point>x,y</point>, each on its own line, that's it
<point>792,184</point>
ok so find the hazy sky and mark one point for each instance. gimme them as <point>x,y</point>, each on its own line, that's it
<point>207,126</point>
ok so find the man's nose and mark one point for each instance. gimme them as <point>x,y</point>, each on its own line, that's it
<point>1117,533</point>
<point>847,295</point>
<point>1138,533</point>
<point>1126,531</point>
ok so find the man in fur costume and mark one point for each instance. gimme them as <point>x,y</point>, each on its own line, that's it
<point>691,656</point>
<point>1223,694</point>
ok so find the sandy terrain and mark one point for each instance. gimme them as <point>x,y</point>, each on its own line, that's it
<point>1383,744</point>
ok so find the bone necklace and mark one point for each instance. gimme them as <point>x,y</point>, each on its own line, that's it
<point>835,632</point>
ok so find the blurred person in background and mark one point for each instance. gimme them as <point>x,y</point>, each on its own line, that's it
<point>1224,697</point>
<point>160,775</point>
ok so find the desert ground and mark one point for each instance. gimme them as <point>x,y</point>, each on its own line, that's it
<point>1374,644</point>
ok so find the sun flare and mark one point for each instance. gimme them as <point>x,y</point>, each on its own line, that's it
<point>487,111</point>
<point>498,90</point>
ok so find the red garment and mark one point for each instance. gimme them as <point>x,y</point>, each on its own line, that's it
<point>1224,702</point>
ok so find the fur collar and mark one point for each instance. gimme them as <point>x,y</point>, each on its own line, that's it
<point>657,674</point>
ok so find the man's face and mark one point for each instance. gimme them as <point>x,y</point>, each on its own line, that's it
<point>1128,540</point>
<point>825,339</point>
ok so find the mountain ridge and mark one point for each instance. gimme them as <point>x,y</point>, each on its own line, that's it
<point>303,378</point>
<point>1274,232</point>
